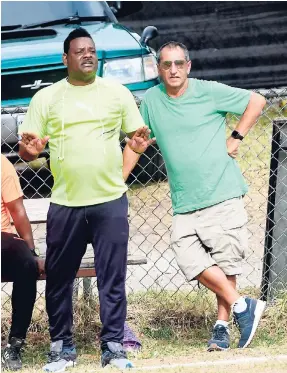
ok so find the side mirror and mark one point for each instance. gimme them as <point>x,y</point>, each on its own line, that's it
<point>149,33</point>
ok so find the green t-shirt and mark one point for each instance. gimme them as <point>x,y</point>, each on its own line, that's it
<point>190,132</point>
<point>84,124</point>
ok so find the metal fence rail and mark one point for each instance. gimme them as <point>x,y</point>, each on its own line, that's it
<point>150,211</point>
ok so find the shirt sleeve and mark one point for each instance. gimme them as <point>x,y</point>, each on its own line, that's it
<point>11,188</point>
<point>229,99</point>
<point>145,115</point>
<point>131,117</point>
<point>36,118</point>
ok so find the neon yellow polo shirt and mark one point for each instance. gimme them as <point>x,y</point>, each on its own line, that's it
<point>84,124</point>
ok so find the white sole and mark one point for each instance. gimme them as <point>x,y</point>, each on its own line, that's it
<point>129,364</point>
<point>260,307</point>
<point>69,364</point>
<point>215,347</point>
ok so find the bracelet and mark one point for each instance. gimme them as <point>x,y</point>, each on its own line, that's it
<point>137,152</point>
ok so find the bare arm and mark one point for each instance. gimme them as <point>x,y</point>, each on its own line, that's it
<point>251,114</point>
<point>21,221</point>
<point>130,159</point>
<point>137,143</point>
<point>247,121</point>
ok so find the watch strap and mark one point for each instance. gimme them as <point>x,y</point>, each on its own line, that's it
<point>236,135</point>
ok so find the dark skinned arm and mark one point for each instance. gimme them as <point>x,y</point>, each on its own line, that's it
<point>21,222</point>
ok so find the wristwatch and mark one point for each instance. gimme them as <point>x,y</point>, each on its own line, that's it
<point>34,252</point>
<point>236,135</point>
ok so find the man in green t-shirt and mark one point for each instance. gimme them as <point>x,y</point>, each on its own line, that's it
<point>209,237</point>
<point>81,117</point>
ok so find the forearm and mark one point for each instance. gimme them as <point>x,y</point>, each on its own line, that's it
<point>130,159</point>
<point>23,227</point>
<point>251,114</point>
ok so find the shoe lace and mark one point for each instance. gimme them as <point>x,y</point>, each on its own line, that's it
<point>109,355</point>
<point>235,322</point>
<point>119,355</point>
<point>65,354</point>
<point>14,353</point>
<point>219,333</point>
<point>53,356</point>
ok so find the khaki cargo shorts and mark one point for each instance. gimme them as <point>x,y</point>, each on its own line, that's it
<point>215,235</point>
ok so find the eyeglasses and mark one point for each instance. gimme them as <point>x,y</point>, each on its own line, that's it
<point>179,64</point>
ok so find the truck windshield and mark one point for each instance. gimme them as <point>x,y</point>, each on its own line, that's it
<point>26,14</point>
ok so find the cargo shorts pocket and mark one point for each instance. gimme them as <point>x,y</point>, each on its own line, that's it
<point>235,231</point>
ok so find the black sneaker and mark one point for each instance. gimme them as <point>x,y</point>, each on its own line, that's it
<point>11,358</point>
<point>115,355</point>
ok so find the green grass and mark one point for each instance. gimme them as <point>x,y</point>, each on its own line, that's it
<point>169,322</point>
<point>167,325</point>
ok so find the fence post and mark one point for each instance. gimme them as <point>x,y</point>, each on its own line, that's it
<point>274,275</point>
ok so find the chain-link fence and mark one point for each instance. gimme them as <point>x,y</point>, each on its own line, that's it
<point>263,161</point>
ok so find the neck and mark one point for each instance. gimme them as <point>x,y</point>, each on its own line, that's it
<point>77,82</point>
<point>177,91</point>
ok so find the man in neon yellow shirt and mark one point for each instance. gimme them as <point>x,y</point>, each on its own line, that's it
<point>209,235</point>
<point>81,117</point>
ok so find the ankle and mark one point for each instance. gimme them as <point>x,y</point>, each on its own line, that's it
<point>15,342</point>
<point>239,306</point>
<point>222,322</point>
<point>68,345</point>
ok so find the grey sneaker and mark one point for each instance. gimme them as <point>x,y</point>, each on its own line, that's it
<point>220,340</point>
<point>116,356</point>
<point>60,358</point>
<point>11,358</point>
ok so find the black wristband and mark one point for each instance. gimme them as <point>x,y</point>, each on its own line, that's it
<point>34,252</point>
<point>236,135</point>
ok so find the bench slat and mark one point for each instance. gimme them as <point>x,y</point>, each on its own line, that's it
<point>132,260</point>
<point>87,268</point>
<point>37,210</point>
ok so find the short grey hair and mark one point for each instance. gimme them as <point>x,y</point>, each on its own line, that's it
<point>171,45</point>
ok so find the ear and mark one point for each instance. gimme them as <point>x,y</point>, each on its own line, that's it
<point>189,64</point>
<point>158,70</point>
<point>64,59</point>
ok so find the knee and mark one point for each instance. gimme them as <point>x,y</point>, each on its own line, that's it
<point>58,274</point>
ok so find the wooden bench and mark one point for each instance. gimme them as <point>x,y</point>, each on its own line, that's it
<point>37,210</point>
